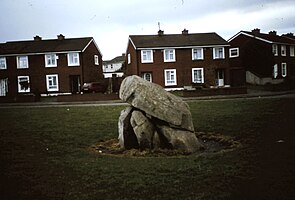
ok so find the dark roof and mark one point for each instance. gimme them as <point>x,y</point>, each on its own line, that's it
<point>115,60</point>
<point>177,40</point>
<point>43,46</point>
<point>271,37</point>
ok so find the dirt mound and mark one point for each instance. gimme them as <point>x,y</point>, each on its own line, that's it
<point>212,143</point>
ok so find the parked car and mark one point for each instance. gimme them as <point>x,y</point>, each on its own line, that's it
<point>94,87</point>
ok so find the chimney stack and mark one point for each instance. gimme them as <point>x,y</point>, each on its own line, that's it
<point>272,33</point>
<point>256,31</point>
<point>185,32</point>
<point>160,32</point>
<point>60,37</point>
<point>37,38</point>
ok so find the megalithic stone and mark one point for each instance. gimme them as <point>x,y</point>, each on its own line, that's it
<point>155,101</point>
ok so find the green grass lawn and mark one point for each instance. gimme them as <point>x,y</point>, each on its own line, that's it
<point>44,154</point>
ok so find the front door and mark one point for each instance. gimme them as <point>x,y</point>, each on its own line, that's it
<point>220,77</point>
<point>75,84</point>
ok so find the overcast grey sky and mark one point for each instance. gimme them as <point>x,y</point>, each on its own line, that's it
<point>110,22</point>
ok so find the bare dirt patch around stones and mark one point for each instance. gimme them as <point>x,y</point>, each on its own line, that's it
<point>212,143</point>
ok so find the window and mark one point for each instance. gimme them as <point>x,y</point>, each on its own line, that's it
<point>283,50</point>
<point>284,69</point>
<point>22,62</point>
<point>233,52</point>
<point>3,63</point>
<point>146,56</point>
<point>197,54</point>
<point>218,53</point>
<point>170,77</point>
<point>198,75</point>
<point>275,71</point>
<point>292,51</point>
<point>129,58</point>
<point>96,61</point>
<point>275,49</point>
<point>23,84</point>
<point>52,82</point>
<point>50,60</point>
<point>3,87</point>
<point>73,59</point>
<point>169,55</point>
<point>147,76</point>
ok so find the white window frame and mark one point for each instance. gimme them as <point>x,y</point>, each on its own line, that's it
<point>215,56</point>
<point>3,64</point>
<point>275,49</point>
<point>284,69</point>
<point>22,64</point>
<point>147,56</point>
<point>147,76</point>
<point>3,87</point>
<point>96,60</point>
<point>169,81</point>
<point>201,57</point>
<point>49,85</point>
<point>292,51</point>
<point>169,55</point>
<point>283,50</point>
<point>19,87</point>
<point>275,71</point>
<point>234,52</point>
<point>202,75</point>
<point>50,60</point>
<point>73,59</point>
<point>128,58</point>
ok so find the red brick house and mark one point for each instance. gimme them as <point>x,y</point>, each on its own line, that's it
<point>267,58</point>
<point>54,66</point>
<point>175,61</point>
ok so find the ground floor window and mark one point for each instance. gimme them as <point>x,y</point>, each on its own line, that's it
<point>52,82</point>
<point>147,76</point>
<point>284,69</point>
<point>198,75</point>
<point>275,71</point>
<point>170,77</point>
<point>23,84</point>
<point>3,87</point>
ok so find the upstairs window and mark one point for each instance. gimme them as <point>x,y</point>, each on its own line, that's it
<point>73,59</point>
<point>146,56</point>
<point>284,69</point>
<point>170,77</point>
<point>283,50</point>
<point>275,49</point>
<point>50,60</point>
<point>234,52</point>
<point>198,75</point>
<point>197,54</point>
<point>169,55</point>
<point>23,84</point>
<point>292,54</point>
<point>96,60</point>
<point>129,58</point>
<point>218,53</point>
<point>3,63</point>
<point>22,62</point>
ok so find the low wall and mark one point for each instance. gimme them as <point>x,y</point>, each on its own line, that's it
<point>214,91</point>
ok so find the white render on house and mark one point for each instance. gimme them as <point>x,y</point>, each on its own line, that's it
<point>113,67</point>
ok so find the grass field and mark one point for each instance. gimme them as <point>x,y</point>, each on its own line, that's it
<point>44,154</point>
